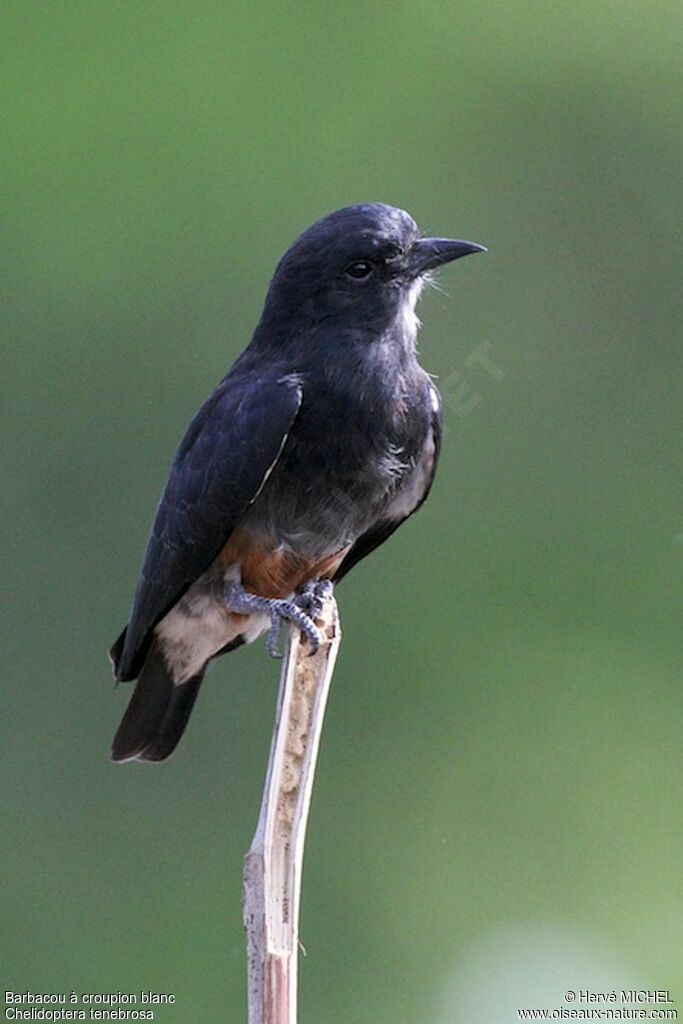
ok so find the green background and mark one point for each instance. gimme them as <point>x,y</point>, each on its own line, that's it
<point>497,816</point>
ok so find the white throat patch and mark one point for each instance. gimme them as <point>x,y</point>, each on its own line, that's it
<point>407,313</point>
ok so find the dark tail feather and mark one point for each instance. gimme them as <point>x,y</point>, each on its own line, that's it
<point>157,714</point>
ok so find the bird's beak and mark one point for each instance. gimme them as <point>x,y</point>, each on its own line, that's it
<point>428,253</point>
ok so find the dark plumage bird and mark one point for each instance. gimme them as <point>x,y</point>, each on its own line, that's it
<point>320,441</point>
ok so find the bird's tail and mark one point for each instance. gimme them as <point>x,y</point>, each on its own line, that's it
<point>157,714</point>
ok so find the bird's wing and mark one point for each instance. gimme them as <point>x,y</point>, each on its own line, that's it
<point>408,500</point>
<point>221,465</point>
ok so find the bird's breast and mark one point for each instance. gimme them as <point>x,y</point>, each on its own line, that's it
<point>353,447</point>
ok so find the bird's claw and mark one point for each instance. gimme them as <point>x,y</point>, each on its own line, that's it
<point>313,595</point>
<point>290,611</point>
<point>300,611</point>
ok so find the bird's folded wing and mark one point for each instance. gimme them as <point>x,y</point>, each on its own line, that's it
<point>223,461</point>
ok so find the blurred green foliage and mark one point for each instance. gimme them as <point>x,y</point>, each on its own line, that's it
<point>503,749</point>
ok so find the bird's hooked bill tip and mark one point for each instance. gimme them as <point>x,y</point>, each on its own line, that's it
<point>428,253</point>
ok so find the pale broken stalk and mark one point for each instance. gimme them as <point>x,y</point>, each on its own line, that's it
<point>273,865</point>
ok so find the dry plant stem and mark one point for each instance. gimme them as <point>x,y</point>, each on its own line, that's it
<point>272,867</point>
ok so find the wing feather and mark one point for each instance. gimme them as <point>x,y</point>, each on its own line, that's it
<point>221,465</point>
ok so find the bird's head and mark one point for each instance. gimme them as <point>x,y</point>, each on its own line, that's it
<point>363,265</point>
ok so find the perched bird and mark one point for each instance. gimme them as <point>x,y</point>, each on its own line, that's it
<point>320,441</point>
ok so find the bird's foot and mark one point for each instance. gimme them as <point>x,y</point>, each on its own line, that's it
<point>313,595</point>
<point>300,611</point>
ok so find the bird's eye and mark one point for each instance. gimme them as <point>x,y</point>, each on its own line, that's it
<point>359,269</point>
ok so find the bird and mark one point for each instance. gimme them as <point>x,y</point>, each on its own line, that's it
<point>320,441</point>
